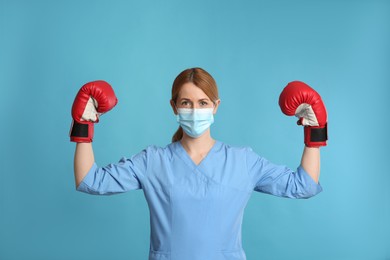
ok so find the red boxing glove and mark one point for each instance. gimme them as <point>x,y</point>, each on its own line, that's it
<point>92,100</point>
<point>298,99</point>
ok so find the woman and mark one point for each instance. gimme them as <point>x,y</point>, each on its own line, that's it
<point>196,187</point>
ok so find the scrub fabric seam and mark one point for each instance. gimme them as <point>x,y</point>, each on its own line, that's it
<point>247,170</point>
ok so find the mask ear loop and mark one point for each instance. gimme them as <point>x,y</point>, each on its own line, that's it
<point>214,105</point>
<point>177,110</point>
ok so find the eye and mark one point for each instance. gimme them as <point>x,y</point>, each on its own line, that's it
<point>203,103</point>
<point>185,103</point>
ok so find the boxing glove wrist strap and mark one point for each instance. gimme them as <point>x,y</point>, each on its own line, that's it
<point>81,133</point>
<point>316,136</point>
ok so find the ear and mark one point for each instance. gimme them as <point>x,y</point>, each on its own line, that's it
<point>216,105</point>
<point>173,107</point>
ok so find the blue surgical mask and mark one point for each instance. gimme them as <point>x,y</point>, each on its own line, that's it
<point>195,121</point>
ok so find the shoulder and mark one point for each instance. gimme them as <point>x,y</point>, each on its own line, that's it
<point>235,148</point>
<point>159,151</point>
<point>244,152</point>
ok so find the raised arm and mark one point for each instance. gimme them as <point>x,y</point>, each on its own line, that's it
<point>83,161</point>
<point>311,162</point>
<point>298,99</point>
<point>92,100</point>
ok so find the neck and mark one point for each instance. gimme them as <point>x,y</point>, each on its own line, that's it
<point>198,145</point>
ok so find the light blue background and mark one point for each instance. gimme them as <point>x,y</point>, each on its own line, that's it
<point>48,49</point>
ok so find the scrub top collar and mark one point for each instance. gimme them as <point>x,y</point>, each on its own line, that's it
<point>182,153</point>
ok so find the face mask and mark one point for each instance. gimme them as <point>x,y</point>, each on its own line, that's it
<point>195,121</point>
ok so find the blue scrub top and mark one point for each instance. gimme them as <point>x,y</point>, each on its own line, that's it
<point>196,211</point>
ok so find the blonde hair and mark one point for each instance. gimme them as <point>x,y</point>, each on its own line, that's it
<point>200,78</point>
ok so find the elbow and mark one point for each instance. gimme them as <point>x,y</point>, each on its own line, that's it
<point>77,183</point>
<point>310,191</point>
<point>310,195</point>
<point>78,186</point>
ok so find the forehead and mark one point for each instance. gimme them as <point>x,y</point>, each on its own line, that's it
<point>191,91</point>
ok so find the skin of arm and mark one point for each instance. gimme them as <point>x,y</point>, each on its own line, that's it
<point>83,161</point>
<point>311,162</point>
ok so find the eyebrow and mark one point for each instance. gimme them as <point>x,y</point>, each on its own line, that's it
<point>202,99</point>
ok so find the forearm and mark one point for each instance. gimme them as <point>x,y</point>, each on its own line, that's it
<point>311,162</point>
<point>83,161</point>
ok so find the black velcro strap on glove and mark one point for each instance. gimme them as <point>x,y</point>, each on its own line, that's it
<point>79,130</point>
<point>319,134</point>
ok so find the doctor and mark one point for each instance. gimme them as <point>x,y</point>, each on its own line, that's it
<point>197,187</point>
